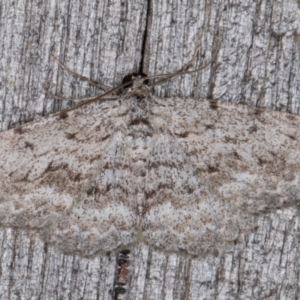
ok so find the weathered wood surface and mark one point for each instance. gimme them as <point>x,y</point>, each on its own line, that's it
<point>257,64</point>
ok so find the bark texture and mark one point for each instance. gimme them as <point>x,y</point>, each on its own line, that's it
<point>257,61</point>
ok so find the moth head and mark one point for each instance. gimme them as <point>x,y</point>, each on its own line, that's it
<point>137,86</point>
<point>135,77</point>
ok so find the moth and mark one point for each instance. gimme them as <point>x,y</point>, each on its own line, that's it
<point>180,174</point>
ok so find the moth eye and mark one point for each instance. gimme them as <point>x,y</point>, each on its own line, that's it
<point>131,77</point>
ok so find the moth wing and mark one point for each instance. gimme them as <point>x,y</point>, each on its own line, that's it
<point>104,216</point>
<point>250,156</point>
<point>182,211</point>
<point>49,166</point>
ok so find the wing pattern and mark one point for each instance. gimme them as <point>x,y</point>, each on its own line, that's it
<point>69,177</point>
<point>180,174</point>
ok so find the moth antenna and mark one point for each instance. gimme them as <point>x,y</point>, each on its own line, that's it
<point>76,100</point>
<point>183,70</point>
<point>168,76</point>
<point>91,99</point>
<point>91,82</point>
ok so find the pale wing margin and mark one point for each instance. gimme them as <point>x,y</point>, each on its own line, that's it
<point>45,164</point>
<point>250,156</point>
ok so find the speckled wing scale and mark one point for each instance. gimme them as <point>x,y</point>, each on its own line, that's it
<point>180,174</point>
<point>183,211</point>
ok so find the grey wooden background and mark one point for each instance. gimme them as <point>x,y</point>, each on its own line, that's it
<point>257,64</point>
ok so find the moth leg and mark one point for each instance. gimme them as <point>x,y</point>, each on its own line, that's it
<point>91,82</point>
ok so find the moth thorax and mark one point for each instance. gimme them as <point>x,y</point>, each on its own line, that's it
<point>139,91</point>
<point>139,109</point>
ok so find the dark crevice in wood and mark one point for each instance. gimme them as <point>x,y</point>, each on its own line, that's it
<point>145,36</point>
